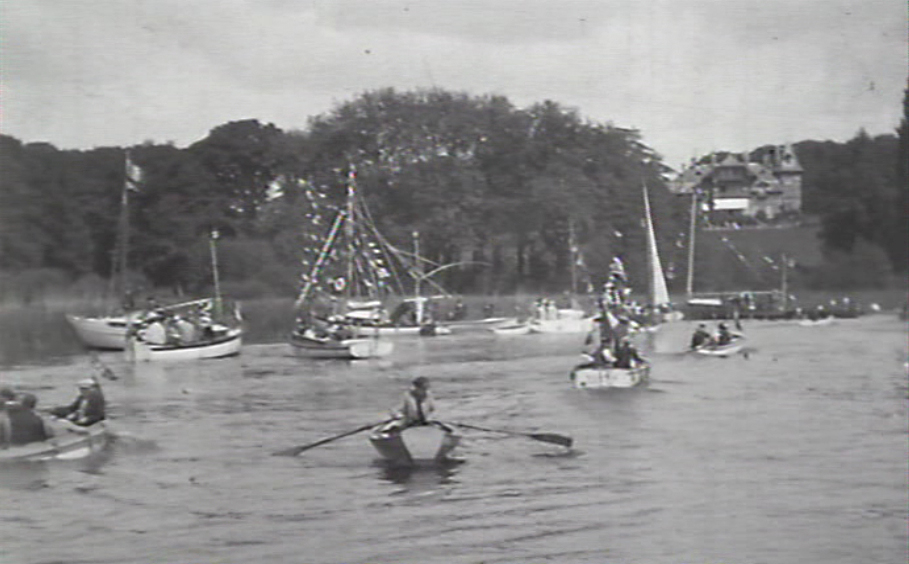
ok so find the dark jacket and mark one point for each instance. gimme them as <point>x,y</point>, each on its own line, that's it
<point>85,410</point>
<point>26,426</point>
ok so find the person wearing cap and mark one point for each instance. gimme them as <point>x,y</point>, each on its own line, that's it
<point>700,337</point>
<point>417,405</point>
<point>87,409</point>
<point>26,426</point>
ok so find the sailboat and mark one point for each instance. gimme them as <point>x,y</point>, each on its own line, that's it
<point>616,321</point>
<point>658,293</point>
<point>611,364</point>
<point>341,291</point>
<point>109,331</point>
<point>190,330</point>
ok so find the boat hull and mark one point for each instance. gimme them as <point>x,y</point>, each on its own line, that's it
<point>229,344</point>
<point>345,349</point>
<point>69,445</point>
<point>510,329</point>
<point>106,333</point>
<point>592,377</point>
<point>734,347</point>
<point>415,446</point>
<point>562,325</point>
<point>365,331</point>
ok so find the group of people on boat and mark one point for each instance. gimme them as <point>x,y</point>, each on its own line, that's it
<point>614,325</point>
<point>21,424</point>
<point>703,338</point>
<point>160,326</point>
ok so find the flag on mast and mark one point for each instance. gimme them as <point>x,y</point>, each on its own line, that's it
<point>133,175</point>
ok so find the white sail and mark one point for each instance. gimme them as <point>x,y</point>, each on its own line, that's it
<point>659,294</point>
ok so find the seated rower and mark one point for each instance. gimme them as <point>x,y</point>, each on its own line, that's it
<point>87,409</point>
<point>723,336</point>
<point>626,355</point>
<point>416,406</point>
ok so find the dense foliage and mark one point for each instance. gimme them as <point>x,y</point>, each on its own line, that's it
<point>500,189</point>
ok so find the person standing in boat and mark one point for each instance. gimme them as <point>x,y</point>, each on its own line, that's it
<point>88,408</point>
<point>416,407</point>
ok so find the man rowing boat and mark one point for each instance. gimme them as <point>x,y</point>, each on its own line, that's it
<point>416,407</point>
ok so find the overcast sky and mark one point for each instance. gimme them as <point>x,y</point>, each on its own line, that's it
<point>691,75</point>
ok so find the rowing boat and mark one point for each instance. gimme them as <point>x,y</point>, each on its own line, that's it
<point>71,444</point>
<point>733,347</point>
<point>590,377</point>
<point>415,446</point>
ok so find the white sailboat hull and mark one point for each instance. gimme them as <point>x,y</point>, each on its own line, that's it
<point>107,333</point>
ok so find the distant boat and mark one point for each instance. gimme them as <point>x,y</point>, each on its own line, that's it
<point>340,293</point>
<point>713,349</point>
<point>224,343</point>
<point>658,294</point>
<point>610,377</point>
<point>351,349</point>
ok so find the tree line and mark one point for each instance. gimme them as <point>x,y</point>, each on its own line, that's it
<point>512,192</point>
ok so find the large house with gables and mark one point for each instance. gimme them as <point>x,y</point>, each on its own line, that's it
<point>763,185</point>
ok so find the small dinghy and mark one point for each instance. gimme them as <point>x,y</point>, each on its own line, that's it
<point>74,443</point>
<point>415,446</point>
<point>733,347</point>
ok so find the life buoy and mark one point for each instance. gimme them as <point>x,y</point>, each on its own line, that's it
<point>339,284</point>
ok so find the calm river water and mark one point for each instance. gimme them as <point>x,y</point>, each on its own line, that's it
<point>795,454</point>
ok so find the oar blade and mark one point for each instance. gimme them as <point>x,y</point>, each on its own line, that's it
<point>553,438</point>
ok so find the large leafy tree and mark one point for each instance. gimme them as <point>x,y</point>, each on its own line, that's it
<point>245,159</point>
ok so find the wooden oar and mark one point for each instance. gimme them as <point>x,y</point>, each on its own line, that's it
<point>544,437</point>
<point>294,451</point>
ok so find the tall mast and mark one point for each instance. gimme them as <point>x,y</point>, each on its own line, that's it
<point>689,285</point>
<point>349,231</point>
<point>573,247</point>
<point>418,304</point>
<point>124,227</point>
<point>212,243</point>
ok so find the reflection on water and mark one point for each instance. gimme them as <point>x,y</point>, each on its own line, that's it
<point>420,477</point>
